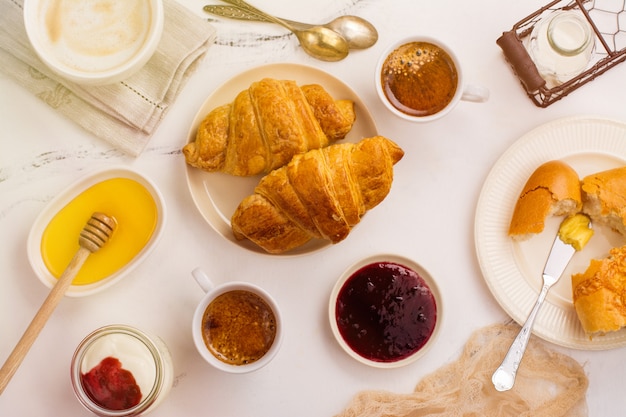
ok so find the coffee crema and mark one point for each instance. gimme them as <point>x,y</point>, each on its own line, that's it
<point>97,35</point>
<point>238,327</point>
<point>419,78</point>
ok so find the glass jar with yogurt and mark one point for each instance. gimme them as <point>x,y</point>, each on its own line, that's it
<point>561,46</point>
<point>118,370</point>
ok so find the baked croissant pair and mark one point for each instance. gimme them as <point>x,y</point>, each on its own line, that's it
<point>311,190</point>
<point>322,193</point>
<point>266,125</point>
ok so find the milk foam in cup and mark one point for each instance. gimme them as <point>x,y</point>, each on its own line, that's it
<point>232,350</point>
<point>97,41</point>
<point>420,79</point>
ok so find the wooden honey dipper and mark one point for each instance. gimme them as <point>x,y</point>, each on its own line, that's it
<point>94,236</point>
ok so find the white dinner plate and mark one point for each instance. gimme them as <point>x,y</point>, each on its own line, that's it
<point>512,270</point>
<point>216,194</point>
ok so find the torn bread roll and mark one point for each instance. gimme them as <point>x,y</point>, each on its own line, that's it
<point>552,189</point>
<point>604,196</point>
<point>598,293</point>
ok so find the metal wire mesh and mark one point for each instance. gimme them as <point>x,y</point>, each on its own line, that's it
<point>608,21</point>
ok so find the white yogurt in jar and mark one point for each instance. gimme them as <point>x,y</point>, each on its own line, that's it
<point>96,35</point>
<point>130,351</point>
<point>146,358</point>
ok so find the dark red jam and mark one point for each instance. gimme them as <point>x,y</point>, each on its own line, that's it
<point>386,312</point>
<point>110,386</point>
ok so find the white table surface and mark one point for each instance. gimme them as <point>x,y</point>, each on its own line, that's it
<point>428,216</point>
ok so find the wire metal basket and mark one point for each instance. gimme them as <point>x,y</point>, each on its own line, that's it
<point>608,21</point>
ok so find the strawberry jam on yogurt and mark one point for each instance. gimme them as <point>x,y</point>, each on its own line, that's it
<point>385,312</point>
<point>120,371</point>
<point>111,386</point>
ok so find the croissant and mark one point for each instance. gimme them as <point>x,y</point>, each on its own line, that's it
<point>266,125</point>
<point>319,194</point>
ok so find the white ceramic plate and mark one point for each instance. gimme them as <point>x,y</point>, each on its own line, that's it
<point>60,201</point>
<point>513,270</point>
<point>217,195</point>
<point>423,273</point>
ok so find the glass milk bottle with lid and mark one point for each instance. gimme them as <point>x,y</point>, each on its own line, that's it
<point>120,371</point>
<point>561,46</point>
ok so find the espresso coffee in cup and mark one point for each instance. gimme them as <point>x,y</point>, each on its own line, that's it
<point>238,327</point>
<point>420,79</point>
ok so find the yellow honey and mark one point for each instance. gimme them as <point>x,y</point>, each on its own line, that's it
<point>128,201</point>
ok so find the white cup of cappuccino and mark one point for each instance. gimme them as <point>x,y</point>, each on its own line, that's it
<point>94,42</point>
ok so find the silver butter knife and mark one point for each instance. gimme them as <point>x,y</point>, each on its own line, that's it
<point>560,255</point>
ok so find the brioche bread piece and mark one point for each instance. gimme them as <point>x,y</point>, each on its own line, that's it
<point>604,198</point>
<point>552,189</point>
<point>599,294</point>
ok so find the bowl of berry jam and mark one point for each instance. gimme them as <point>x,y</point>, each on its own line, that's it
<point>385,311</point>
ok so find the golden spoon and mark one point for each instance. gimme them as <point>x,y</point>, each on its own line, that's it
<point>358,32</point>
<point>318,41</point>
<point>94,236</point>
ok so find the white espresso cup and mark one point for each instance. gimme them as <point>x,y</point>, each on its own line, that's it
<point>226,308</point>
<point>94,42</point>
<point>420,79</point>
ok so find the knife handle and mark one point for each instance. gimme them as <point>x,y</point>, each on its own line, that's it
<point>504,377</point>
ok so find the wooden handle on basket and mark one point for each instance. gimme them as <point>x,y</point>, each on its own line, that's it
<point>523,65</point>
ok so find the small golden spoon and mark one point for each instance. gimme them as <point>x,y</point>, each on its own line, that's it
<point>358,32</point>
<point>318,41</point>
<point>94,236</point>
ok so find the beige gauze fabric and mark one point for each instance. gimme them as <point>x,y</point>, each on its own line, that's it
<point>548,384</point>
<point>126,113</point>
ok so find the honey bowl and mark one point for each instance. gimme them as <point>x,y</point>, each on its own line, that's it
<point>122,193</point>
<point>385,311</point>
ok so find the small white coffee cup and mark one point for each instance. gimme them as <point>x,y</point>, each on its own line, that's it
<point>94,42</point>
<point>423,80</point>
<point>199,326</point>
